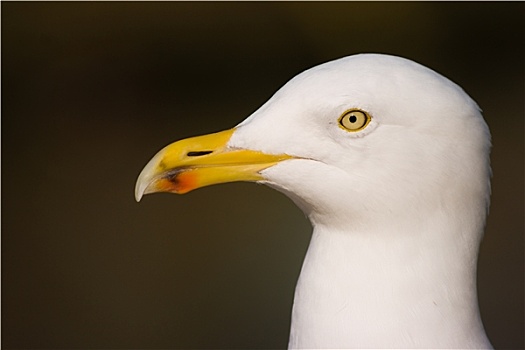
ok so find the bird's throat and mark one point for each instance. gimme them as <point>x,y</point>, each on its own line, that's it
<point>369,291</point>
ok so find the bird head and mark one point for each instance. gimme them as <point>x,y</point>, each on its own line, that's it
<point>362,137</point>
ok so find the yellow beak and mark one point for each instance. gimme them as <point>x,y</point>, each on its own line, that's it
<point>201,161</point>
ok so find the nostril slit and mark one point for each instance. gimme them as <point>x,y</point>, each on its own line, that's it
<point>198,153</point>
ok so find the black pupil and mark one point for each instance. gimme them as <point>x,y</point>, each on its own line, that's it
<point>352,119</point>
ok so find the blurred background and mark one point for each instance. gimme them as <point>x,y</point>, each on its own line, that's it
<point>91,90</point>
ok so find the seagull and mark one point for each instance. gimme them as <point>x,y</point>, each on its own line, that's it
<point>389,161</point>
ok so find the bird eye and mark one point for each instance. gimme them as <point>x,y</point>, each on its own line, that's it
<point>354,120</point>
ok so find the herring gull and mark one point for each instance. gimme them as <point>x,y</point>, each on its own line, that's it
<point>390,162</point>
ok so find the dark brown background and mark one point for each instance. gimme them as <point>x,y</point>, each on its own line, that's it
<point>90,91</point>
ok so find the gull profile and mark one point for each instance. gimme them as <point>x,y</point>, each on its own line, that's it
<point>390,162</point>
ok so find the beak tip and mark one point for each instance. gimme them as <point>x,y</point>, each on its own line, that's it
<point>146,176</point>
<point>139,191</point>
<point>141,187</point>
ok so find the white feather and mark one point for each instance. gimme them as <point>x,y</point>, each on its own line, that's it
<point>398,209</point>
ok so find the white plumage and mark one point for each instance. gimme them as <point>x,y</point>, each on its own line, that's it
<point>398,208</point>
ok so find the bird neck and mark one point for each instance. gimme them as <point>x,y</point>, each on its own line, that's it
<point>401,289</point>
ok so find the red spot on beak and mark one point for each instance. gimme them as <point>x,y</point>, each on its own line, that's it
<point>179,183</point>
